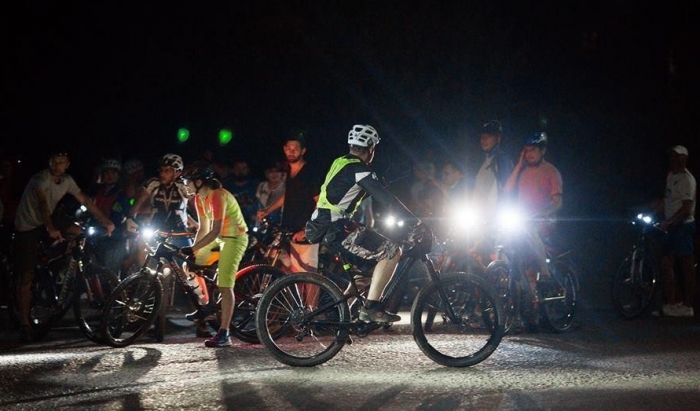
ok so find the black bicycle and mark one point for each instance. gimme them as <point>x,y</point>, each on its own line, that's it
<point>525,295</point>
<point>634,287</point>
<point>67,277</point>
<point>138,301</point>
<point>305,319</point>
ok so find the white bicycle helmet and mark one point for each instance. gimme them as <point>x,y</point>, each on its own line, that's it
<point>363,136</point>
<point>112,163</point>
<point>173,160</point>
<point>133,165</point>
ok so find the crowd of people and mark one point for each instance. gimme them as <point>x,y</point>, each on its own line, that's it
<point>219,201</point>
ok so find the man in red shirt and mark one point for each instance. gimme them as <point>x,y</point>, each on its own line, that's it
<point>538,185</point>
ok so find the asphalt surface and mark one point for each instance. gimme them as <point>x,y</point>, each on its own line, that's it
<point>604,363</point>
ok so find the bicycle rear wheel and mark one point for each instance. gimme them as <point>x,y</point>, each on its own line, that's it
<point>634,285</point>
<point>508,291</point>
<point>131,309</point>
<point>470,338</point>
<point>92,292</point>
<point>42,304</point>
<point>559,297</point>
<point>292,326</point>
<point>251,282</point>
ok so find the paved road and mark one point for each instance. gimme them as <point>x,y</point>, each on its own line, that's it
<point>605,363</point>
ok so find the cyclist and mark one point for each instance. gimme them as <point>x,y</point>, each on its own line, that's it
<point>163,202</point>
<point>110,198</point>
<point>538,187</point>
<point>35,217</point>
<point>679,221</point>
<point>348,181</point>
<point>494,170</point>
<point>297,203</point>
<point>223,226</point>
<point>489,184</point>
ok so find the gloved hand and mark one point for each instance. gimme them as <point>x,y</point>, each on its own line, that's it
<point>131,225</point>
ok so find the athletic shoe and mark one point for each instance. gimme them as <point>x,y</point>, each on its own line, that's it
<point>377,315</point>
<point>221,339</point>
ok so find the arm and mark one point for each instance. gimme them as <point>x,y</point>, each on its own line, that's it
<point>209,229</point>
<point>369,214</point>
<point>377,191</point>
<point>512,180</point>
<point>92,208</point>
<point>272,207</point>
<point>138,203</point>
<point>553,207</point>
<point>505,168</point>
<point>678,217</point>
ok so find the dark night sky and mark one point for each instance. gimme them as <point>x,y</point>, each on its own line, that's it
<point>108,80</point>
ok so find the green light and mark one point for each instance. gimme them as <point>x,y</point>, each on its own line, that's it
<point>183,135</point>
<point>225,137</point>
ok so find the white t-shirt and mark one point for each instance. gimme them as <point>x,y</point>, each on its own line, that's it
<point>679,187</point>
<point>28,215</point>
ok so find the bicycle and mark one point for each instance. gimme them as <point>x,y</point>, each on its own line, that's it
<point>456,317</point>
<point>634,287</point>
<point>524,294</point>
<point>66,277</point>
<point>138,301</point>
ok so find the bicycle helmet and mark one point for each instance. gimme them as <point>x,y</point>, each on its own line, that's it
<point>111,163</point>
<point>363,136</point>
<point>199,171</point>
<point>538,139</point>
<point>132,166</point>
<point>492,127</point>
<point>172,160</point>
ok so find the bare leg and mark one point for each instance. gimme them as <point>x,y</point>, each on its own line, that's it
<point>381,276</point>
<point>227,301</point>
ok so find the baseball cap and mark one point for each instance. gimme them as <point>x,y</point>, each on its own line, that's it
<point>680,150</point>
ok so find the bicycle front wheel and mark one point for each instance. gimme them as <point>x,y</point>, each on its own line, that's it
<point>633,285</point>
<point>559,297</point>
<point>457,321</point>
<point>508,291</point>
<point>251,282</point>
<point>302,319</point>
<point>92,292</point>
<point>131,309</point>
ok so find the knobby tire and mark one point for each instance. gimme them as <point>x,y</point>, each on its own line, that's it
<point>479,327</point>
<point>88,306</point>
<point>131,309</point>
<point>290,336</point>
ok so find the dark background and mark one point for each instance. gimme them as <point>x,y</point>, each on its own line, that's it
<point>613,83</point>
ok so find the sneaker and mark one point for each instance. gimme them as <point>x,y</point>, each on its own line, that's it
<point>678,310</point>
<point>377,315</point>
<point>685,311</point>
<point>668,310</point>
<point>221,339</point>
